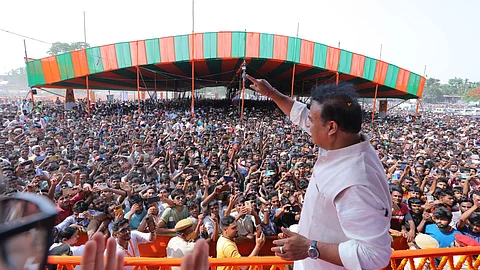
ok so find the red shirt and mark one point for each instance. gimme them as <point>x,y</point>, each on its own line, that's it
<point>398,218</point>
<point>64,213</point>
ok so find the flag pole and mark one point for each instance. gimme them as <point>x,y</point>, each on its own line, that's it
<point>26,60</point>
<point>294,59</point>
<point>192,109</point>
<point>86,77</point>
<point>88,95</point>
<point>244,68</point>
<point>374,102</point>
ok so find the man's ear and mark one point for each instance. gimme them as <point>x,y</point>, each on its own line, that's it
<point>332,127</point>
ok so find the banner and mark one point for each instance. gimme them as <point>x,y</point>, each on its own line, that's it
<point>69,99</point>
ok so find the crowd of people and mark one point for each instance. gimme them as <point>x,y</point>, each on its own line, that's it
<point>135,172</point>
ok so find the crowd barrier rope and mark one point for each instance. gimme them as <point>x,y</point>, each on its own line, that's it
<point>153,257</point>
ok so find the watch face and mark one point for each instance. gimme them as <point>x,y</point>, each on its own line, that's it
<point>313,253</point>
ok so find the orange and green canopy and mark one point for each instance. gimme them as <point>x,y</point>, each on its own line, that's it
<point>166,64</point>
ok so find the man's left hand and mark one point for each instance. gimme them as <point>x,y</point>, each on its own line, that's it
<point>294,246</point>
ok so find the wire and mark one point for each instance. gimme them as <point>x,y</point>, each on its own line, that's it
<point>10,32</point>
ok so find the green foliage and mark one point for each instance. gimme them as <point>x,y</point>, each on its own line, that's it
<point>435,90</point>
<point>62,47</point>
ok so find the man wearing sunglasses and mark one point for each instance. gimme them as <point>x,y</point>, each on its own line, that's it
<point>172,215</point>
<point>128,240</point>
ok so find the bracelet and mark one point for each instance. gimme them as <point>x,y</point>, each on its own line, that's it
<point>269,94</point>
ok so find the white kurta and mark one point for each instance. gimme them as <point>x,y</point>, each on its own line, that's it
<point>347,203</point>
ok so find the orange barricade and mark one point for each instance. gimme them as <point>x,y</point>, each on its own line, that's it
<point>448,258</point>
<point>158,249</point>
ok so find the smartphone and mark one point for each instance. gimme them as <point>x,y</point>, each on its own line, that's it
<point>102,186</point>
<point>26,163</point>
<point>465,175</point>
<point>53,158</point>
<point>248,204</point>
<point>141,187</point>
<point>32,139</point>
<point>430,198</point>
<point>67,191</point>
<point>153,199</point>
<point>118,209</point>
<point>225,188</point>
<point>188,171</point>
<point>195,178</point>
<point>150,223</point>
<point>81,215</point>
<point>228,178</point>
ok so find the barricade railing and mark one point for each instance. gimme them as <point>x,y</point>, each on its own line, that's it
<point>436,259</point>
<point>255,263</point>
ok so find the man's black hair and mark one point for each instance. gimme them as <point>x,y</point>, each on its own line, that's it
<point>396,188</point>
<point>442,213</point>
<point>339,104</point>
<point>136,198</point>
<point>80,206</point>
<point>444,192</point>
<point>191,204</point>
<point>414,188</point>
<point>226,221</point>
<point>474,219</point>
<point>464,199</point>
<point>177,192</point>
<point>119,223</point>
<point>414,201</point>
<point>442,179</point>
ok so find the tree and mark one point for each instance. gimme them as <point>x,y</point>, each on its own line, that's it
<point>62,47</point>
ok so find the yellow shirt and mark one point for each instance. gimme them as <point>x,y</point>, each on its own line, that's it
<point>226,248</point>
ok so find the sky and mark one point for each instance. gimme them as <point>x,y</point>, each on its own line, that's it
<point>441,35</point>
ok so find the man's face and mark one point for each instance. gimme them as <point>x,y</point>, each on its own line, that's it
<point>124,232</point>
<point>214,209</point>
<point>275,202</point>
<point>396,197</point>
<point>416,208</point>
<point>63,202</point>
<point>231,231</point>
<point>407,183</point>
<point>475,227</point>
<point>99,203</point>
<point>414,194</point>
<point>441,185</point>
<point>453,168</point>
<point>447,199</point>
<point>116,183</point>
<point>442,223</point>
<point>179,200</point>
<point>464,206</point>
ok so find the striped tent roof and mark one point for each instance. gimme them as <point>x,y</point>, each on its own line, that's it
<point>166,64</point>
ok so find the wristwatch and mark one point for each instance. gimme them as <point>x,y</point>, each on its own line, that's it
<point>313,251</point>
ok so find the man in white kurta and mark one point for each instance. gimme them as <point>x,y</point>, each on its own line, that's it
<point>346,215</point>
<point>347,202</point>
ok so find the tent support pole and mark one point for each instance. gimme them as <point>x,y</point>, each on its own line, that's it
<point>88,95</point>
<point>417,108</point>
<point>192,109</point>
<point>374,102</point>
<point>337,77</point>
<point>293,80</point>
<point>138,89</point>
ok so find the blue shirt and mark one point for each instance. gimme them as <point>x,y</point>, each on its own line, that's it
<point>468,232</point>
<point>136,218</point>
<point>445,239</point>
